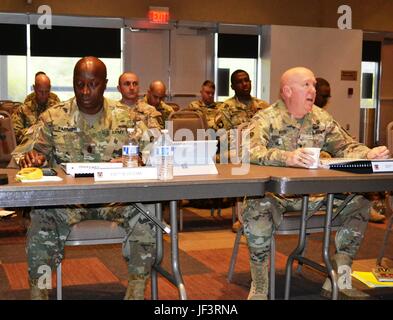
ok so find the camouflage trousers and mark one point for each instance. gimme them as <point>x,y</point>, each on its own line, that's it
<point>50,227</point>
<point>260,215</point>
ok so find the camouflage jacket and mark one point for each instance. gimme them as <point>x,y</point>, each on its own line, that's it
<point>163,108</point>
<point>209,112</point>
<point>232,112</point>
<point>63,135</point>
<point>27,114</point>
<point>146,113</point>
<point>52,96</point>
<point>273,131</point>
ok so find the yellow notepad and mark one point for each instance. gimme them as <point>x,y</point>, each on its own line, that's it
<point>369,279</point>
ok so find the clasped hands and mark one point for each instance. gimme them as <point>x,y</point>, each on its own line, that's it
<point>32,159</point>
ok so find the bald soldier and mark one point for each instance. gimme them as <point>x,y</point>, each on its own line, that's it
<point>278,136</point>
<point>41,99</point>
<point>86,128</point>
<point>155,97</point>
<point>129,88</point>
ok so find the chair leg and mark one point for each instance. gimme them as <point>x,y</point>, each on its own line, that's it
<point>59,282</point>
<point>153,285</point>
<point>234,254</point>
<point>385,240</point>
<point>234,213</point>
<point>272,274</point>
<point>180,217</point>
<point>302,253</point>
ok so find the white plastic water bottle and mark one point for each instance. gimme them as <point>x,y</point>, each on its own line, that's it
<point>130,150</point>
<point>163,152</point>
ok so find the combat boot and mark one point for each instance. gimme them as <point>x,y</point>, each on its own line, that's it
<point>342,265</point>
<point>136,287</point>
<point>35,292</point>
<point>260,281</point>
<point>375,216</point>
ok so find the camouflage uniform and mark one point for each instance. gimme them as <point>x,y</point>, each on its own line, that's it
<point>272,132</point>
<point>209,112</point>
<point>163,108</point>
<point>63,135</point>
<point>232,112</point>
<point>27,114</point>
<point>31,96</point>
<point>146,113</point>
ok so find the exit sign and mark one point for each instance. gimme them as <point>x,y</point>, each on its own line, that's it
<point>159,15</point>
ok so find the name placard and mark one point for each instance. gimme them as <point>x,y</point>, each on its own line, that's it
<point>192,170</point>
<point>126,174</point>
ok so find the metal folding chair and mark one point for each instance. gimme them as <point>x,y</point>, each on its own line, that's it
<point>91,232</point>
<point>7,137</point>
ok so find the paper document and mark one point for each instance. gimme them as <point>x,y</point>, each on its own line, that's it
<point>369,279</point>
<point>358,165</point>
<point>6,213</point>
<point>45,179</point>
<point>73,168</point>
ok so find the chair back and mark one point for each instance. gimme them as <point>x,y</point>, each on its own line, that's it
<point>8,106</point>
<point>185,125</point>
<point>389,137</point>
<point>7,136</point>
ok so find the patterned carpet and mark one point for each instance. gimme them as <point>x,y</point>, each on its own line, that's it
<point>99,272</point>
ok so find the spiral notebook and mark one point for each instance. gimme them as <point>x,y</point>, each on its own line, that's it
<point>358,165</point>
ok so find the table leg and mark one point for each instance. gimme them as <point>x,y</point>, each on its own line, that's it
<point>159,254</point>
<point>175,251</point>
<point>298,250</point>
<point>326,241</point>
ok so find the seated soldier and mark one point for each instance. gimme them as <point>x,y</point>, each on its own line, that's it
<point>206,106</point>
<point>155,97</point>
<point>86,128</point>
<point>272,143</point>
<point>35,103</point>
<point>129,88</point>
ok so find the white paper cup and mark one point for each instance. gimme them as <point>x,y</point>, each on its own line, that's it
<point>314,153</point>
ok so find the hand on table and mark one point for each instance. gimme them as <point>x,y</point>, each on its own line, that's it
<point>378,153</point>
<point>299,158</point>
<point>32,159</point>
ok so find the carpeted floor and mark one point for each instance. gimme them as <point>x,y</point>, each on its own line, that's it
<point>99,272</point>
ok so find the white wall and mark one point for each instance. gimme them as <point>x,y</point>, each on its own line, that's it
<point>386,103</point>
<point>323,50</point>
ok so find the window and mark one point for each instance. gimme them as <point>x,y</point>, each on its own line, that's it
<point>371,57</point>
<point>55,51</point>
<point>236,51</point>
<point>13,61</point>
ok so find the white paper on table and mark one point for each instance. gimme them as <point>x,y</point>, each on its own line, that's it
<point>6,213</point>
<point>45,179</point>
